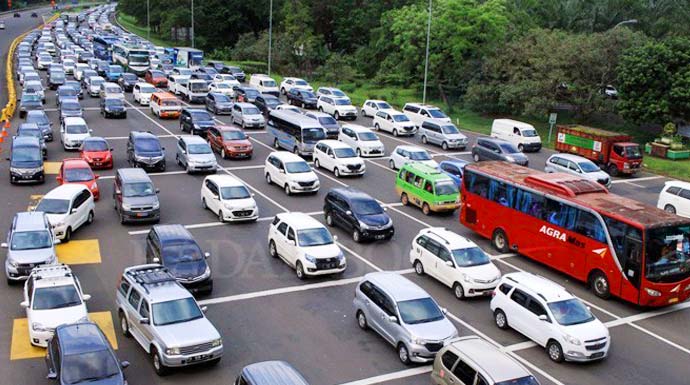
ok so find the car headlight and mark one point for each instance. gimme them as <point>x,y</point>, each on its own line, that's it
<point>59,224</point>
<point>207,272</point>
<point>14,170</point>
<point>228,206</point>
<point>466,278</point>
<point>39,327</point>
<point>652,292</point>
<point>341,258</point>
<point>418,341</point>
<point>572,340</point>
<point>217,342</point>
<point>363,226</point>
<point>83,319</point>
<point>12,263</point>
<point>310,258</point>
<point>197,127</point>
<point>126,206</point>
<point>510,158</point>
<point>172,351</point>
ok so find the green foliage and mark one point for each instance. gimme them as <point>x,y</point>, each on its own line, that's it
<point>336,70</point>
<point>654,81</point>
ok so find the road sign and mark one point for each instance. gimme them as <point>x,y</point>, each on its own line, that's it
<point>552,118</point>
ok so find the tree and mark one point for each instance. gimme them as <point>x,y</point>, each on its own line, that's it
<point>654,81</point>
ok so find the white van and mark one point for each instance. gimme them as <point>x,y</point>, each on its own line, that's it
<point>522,135</point>
<point>264,84</point>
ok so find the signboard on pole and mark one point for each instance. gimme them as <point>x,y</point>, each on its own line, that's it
<point>552,122</point>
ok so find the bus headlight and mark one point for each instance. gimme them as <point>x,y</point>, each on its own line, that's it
<point>653,293</point>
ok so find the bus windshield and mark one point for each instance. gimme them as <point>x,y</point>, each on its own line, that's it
<point>668,254</point>
<point>312,135</point>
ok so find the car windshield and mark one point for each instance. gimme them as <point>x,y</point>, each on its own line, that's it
<point>446,187</point>
<point>89,366</point>
<point>223,85</point>
<point>200,148</point>
<point>146,90</point>
<point>367,136</point>
<point>114,103</point>
<point>37,118</point>
<point>55,297</point>
<point>30,240</point>
<point>633,152</point>
<point>220,98</point>
<point>342,102</point>
<point>269,83</point>
<point>327,121</point>
<point>234,192</point>
<point>70,105</point>
<point>366,207</point>
<point>234,135</point>
<point>400,118</point>
<point>35,132</point>
<point>419,155</point>
<point>313,135</point>
<point>97,82</point>
<point>182,252</point>
<point>57,76</point>
<point>115,69</point>
<point>251,111</point>
<point>67,91</point>
<point>570,312</point>
<point>26,154</point>
<point>588,167</point>
<point>80,174</point>
<point>113,90</point>
<point>314,237</point>
<point>53,206</point>
<point>437,114</point>
<point>201,115</point>
<point>297,167</point>
<point>76,129</point>
<point>345,152</point>
<point>528,380</point>
<point>148,145</point>
<point>130,77</point>
<point>529,133</point>
<point>197,86</point>
<point>508,148</point>
<point>272,102</point>
<point>419,311</point>
<point>137,189</point>
<point>157,74</point>
<point>301,83</point>
<point>471,256</point>
<point>449,129</point>
<point>668,254</point>
<point>31,98</point>
<point>176,311</point>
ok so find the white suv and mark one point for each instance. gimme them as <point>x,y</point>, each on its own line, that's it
<point>338,157</point>
<point>52,296</point>
<point>290,172</point>
<point>339,108</point>
<point>363,140</point>
<point>547,314</point>
<point>372,106</point>
<point>674,198</point>
<point>405,154</point>
<point>305,244</point>
<point>455,261</point>
<point>229,198</point>
<point>394,122</point>
<point>289,83</point>
<point>142,92</point>
<point>418,113</point>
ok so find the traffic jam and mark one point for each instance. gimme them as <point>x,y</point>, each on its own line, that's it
<point>170,216</point>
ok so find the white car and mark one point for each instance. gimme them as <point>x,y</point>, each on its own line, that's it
<point>73,131</point>
<point>52,297</point>
<point>177,83</point>
<point>418,113</point>
<point>289,83</point>
<point>455,261</point>
<point>404,154</point>
<point>339,108</point>
<point>93,85</point>
<point>264,84</point>
<point>674,198</point>
<point>68,66</point>
<point>394,122</point>
<point>68,207</point>
<point>578,166</point>
<point>338,157</point>
<point>111,90</point>
<point>305,245</point>
<point>79,70</point>
<point>291,173</point>
<point>44,61</point>
<point>365,142</point>
<point>142,92</point>
<point>225,88</point>
<point>372,106</point>
<point>225,78</point>
<point>229,198</point>
<point>331,91</point>
<point>546,313</point>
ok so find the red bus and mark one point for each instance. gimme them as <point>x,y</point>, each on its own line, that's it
<point>618,246</point>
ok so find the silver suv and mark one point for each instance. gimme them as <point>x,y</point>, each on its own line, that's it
<point>165,319</point>
<point>404,315</point>
<point>30,243</point>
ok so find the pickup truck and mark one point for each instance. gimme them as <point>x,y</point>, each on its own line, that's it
<point>195,91</point>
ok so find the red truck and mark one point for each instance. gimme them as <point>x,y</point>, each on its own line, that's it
<point>613,151</point>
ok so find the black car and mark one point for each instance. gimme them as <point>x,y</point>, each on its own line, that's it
<point>29,102</point>
<point>26,160</point>
<point>113,107</point>
<point>358,213</point>
<point>56,79</point>
<point>80,353</point>
<point>267,103</point>
<point>219,103</point>
<point>174,247</point>
<point>234,71</point>
<point>498,149</point>
<point>34,14</point>
<point>127,81</point>
<point>302,98</point>
<point>144,150</point>
<point>246,94</point>
<point>196,121</point>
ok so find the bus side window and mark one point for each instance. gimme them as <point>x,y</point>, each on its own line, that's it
<point>477,184</point>
<point>560,214</point>
<point>589,225</point>
<point>501,193</point>
<point>531,204</point>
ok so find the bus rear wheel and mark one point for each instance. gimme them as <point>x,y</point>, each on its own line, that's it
<point>500,241</point>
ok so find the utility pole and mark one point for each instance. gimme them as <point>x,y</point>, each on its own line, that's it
<point>270,34</point>
<point>148,20</point>
<point>426,60</point>
<point>192,29</point>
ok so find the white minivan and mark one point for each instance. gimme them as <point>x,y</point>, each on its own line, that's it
<point>290,172</point>
<point>68,207</point>
<point>522,135</point>
<point>264,84</point>
<point>675,198</point>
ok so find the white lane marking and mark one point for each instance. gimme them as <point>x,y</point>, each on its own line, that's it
<point>391,376</point>
<point>451,154</point>
<point>519,346</point>
<point>501,256</point>
<point>660,338</point>
<point>650,314</point>
<point>370,264</point>
<point>637,179</point>
<point>636,185</point>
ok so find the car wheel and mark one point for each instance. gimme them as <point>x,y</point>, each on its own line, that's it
<point>377,127</point>
<point>500,241</point>
<point>403,354</point>
<point>221,219</point>
<point>68,235</point>
<point>357,236</point>
<point>395,132</point>
<point>276,145</point>
<point>336,115</point>
<point>404,199</point>
<point>268,178</point>
<point>223,154</point>
<point>287,189</point>
<point>158,366</point>
<point>272,251</point>
<point>475,156</point>
<point>424,140</point>
<point>391,164</point>
<point>359,152</point>
<point>555,351</point>
<point>304,106</point>
<point>299,270</point>
<point>329,219</point>
<point>124,325</point>
<point>282,91</point>
<point>670,209</point>
<point>459,291</point>
<point>89,219</point>
<point>600,284</point>
<point>203,203</point>
<point>336,172</point>
<point>426,210</point>
<point>500,319</point>
<point>521,148</point>
<point>444,146</point>
<point>317,164</point>
<point>295,151</point>
<point>362,320</point>
<point>320,109</point>
<point>418,267</point>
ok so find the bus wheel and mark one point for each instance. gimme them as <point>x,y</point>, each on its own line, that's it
<point>500,240</point>
<point>600,284</point>
<point>404,200</point>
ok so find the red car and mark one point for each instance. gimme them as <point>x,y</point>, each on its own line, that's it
<point>77,171</point>
<point>229,142</point>
<point>157,78</point>
<point>96,152</point>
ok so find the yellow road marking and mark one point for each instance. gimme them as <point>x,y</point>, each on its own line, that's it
<point>79,252</point>
<point>52,168</point>
<point>21,347</point>
<point>33,201</point>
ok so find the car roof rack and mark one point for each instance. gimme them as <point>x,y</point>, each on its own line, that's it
<point>151,275</point>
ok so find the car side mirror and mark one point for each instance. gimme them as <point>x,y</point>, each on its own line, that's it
<point>544,318</point>
<point>444,310</point>
<point>158,190</point>
<point>155,260</point>
<point>163,148</point>
<point>331,155</point>
<point>348,212</point>
<point>253,195</point>
<point>24,304</point>
<point>281,171</point>
<point>385,209</point>
<point>73,211</point>
<point>86,297</point>
<point>111,149</point>
<point>4,245</point>
<point>204,309</point>
<point>124,364</point>
<point>207,255</point>
<point>52,375</point>
<point>450,264</point>
<point>393,319</point>
<point>144,321</point>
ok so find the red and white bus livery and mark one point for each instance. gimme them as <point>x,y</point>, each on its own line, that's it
<point>619,246</point>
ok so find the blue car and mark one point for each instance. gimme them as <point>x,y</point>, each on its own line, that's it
<point>454,169</point>
<point>80,353</point>
<point>113,73</point>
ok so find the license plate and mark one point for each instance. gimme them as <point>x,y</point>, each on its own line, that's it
<point>597,355</point>
<point>381,236</point>
<point>673,300</point>
<point>202,357</point>
<point>141,214</point>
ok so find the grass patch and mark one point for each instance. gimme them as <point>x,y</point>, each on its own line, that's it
<point>679,169</point>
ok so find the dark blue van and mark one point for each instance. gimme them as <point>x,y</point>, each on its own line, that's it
<point>26,160</point>
<point>358,213</point>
